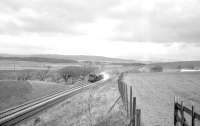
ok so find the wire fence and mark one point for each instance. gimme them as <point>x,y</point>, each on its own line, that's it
<point>129,102</point>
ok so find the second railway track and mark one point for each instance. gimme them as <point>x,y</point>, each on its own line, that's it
<point>16,114</point>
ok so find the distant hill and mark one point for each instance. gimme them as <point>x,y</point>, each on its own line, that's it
<point>37,59</point>
<point>87,58</point>
<point>180,64</point>
<point>67,57</point>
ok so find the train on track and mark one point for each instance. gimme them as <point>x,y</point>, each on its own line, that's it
<point>94,77</point>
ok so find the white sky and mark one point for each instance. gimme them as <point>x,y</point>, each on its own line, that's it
<point>139,29</point>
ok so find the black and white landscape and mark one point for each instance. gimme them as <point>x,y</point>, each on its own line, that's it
<point>99,63</point>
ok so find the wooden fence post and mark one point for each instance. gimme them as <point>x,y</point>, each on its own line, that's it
<point>134,110</point>
<point>193,118</point>
<point>123,93</point>
<point>125,96</point>
<point>121,89</point>
<point>175,111</point>
<point>182,115</point>
<point>119,86</point>
<point>130,105</point>
<point>138,115</point>
<point>127,101</point>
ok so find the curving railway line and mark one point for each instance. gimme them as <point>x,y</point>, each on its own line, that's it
<point>24,111</point>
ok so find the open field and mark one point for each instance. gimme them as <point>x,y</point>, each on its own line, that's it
<point>21,65</point>
<point>172,66</point>
<point>175,65</point>
<point>13,93</point>
<point>155,94</point>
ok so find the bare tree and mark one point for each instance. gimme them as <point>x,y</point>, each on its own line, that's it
<point>68,72</point>
<point>43,74</point>
<point>24,75</point>
<point>75,72</point>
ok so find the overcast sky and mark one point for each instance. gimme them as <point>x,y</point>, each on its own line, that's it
<point>136,29</point>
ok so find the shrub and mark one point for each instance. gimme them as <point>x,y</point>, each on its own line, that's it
<point>43,74</point>
<point>24,75</point>
<point>75,72</point>
<point>55,77</point>
<point>179,67</point>
<point>68,72</point>
<point>156,69</point>
<point>87,70</point>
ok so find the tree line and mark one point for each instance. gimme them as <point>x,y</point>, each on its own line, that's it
<point>62,75</point>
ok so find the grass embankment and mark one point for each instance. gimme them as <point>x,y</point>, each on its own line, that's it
<point>89,108</point>
<point>13,93</point>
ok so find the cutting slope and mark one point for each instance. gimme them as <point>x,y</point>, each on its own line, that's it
<point>13,93</point>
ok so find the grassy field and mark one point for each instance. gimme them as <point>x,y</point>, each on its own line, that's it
<point>175,65</point>
<point>155,94</point>
<point>17,92</point>
<point>21,65</point>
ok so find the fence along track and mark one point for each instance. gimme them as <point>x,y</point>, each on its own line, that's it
<point>19,113</point>
<point>129,102</point>
<point>179,114</point>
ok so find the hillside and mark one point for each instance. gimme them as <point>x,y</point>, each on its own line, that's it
<point>37,59</point>
<point>68,57</point>
<point>13,93</point>
<point>86,58</point>
<point>174,65</point>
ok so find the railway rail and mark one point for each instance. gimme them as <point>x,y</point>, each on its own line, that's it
<point>17,114</point>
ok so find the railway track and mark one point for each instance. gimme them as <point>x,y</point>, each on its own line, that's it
<point>17,114</point>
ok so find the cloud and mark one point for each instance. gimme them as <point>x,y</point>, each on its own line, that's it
<point>158,21</point>
<point>138,29</point>
<point>49,16</point>
<point>140,20</point>
<point>20,48</point>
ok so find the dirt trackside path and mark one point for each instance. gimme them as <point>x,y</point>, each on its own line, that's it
<point>155,94</point>
<point>88,108</point>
